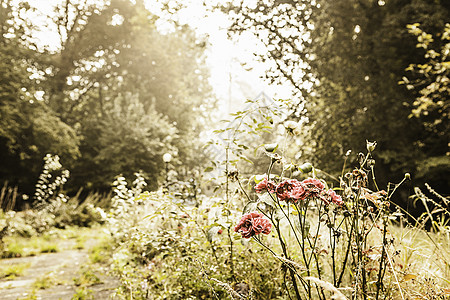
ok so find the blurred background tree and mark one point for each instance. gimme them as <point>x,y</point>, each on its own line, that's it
<point>109,97</point>
<point>344,59</point>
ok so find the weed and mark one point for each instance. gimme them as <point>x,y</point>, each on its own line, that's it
<point>49,248</point>
<point>12,271</point>
<point>45,282</point>
<point>13,250</point>
<point>87,278</point>
<point>83,294</point>
<point>100,253</point>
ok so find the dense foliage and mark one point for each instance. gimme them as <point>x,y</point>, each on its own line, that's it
<point>109,93</point>
<point>344,59</point>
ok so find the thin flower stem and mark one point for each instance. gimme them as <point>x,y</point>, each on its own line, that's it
<point>396,187</point>
<point>302,231</point>
<point>302,245</point>
<point>260,243</point>
<point>343,166</point>
<point>283,151</point>
<point>315,241</point>
<point>313,252</point>
<point>242,188</point>
<point>379,283</point>
<point>333,257</point>
<point>228,204</point>
<point>289,265</point>
<point>373,178</point>
<point>283,247</point>
<point>270,169</point>
<point>358,246</point>
<point>226,174</point>
<point>285,284</point>
<point>231,253</point>
<point>395,275</point>
<point>349,245</point>
<point>287,217</point>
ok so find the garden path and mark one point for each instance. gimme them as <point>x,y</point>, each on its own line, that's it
<point>66,274</point>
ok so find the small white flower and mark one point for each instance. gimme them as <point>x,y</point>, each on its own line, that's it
<point>292,127</point>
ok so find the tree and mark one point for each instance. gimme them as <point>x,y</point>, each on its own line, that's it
<point>28,129</point>
<point>344,59</point>
<point>113,92</point>
<point>165,74</point>
<point>130,138</point>
<point>432,105</point>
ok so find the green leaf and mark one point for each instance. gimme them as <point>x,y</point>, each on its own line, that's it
<point>246,159</point>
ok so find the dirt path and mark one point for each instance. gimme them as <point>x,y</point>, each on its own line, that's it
<point>60,275</point>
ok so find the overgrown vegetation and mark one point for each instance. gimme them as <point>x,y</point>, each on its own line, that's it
<point>109,95</point>
<point>310,239</point>
<point>299,207</point>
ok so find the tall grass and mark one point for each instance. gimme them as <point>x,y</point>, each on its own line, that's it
<point>8,197</point>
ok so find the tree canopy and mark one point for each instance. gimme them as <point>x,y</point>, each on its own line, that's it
<point>345,59</point>
<point>110,95</point>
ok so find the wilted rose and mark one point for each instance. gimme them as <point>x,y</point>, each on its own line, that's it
<point>336,199</point>
<point>291,190</point>
<point>265,185</point>
<point>315,182</point>
<point>252,224</point>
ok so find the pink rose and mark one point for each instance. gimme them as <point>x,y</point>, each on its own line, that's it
<point>261,225</point>
<point>336,199</point>
<point>315,182</point>
<point>265,185</point>
<point>252,224</point>
<point>291,190</point>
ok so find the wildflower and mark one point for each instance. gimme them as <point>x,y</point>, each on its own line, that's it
<point>292,127</point>
<point>291,190</point>
<point>252,224</point>
<point>265,185</point>
<point>314,182</point>
<point>377,198</point>
<point>336,199</point>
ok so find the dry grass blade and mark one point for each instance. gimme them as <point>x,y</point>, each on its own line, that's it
<point>337,295</point>
<point>290,263</point>
<point>431,190</point>
<point>229,289</point>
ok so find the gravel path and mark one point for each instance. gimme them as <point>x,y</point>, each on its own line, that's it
<point>60,269</point>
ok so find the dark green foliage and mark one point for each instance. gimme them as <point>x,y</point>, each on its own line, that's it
<point>111,97</point>
<point>344,59</point>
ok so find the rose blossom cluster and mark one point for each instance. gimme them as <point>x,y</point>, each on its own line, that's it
<point>252,224</point>
<point>294,190</point>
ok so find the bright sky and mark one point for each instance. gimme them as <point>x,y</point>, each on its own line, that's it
<point>224,57</point>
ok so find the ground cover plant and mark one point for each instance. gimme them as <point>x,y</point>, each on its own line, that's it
<point>166,250</point>
<point>341,246</point>
<point>51,209</point>
<point>294,232</point>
